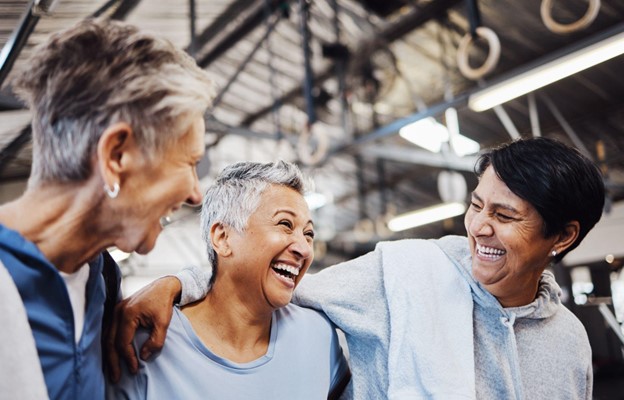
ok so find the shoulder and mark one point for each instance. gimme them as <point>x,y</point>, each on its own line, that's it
<point>305,321</point>
<point>293,313</point>
<point>569,332</point>
<point>453,246</point>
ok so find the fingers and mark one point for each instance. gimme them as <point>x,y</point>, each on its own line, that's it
<point>154,343</point>
<point>128,324</point>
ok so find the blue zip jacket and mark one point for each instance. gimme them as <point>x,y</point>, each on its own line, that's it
<point>71,371</point>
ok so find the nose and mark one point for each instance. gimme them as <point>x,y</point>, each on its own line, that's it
<point>478,224</point>
<point>195,197</point>
<point>301,247</point>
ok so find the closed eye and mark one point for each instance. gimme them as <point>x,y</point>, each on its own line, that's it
<point>475,206</point>
<point>286,223</point>
<point>504,217</point>
<point>309,234</point>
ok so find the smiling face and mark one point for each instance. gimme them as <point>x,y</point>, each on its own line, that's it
<point>269,258</point>
<point>159,187</point>
<point>509,250</point>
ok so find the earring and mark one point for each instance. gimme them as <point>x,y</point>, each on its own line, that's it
<point>114,192</point>
<point>554,253</point>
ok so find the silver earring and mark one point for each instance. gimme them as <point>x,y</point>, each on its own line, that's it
<point>114,192</point>
<point>554,253</point>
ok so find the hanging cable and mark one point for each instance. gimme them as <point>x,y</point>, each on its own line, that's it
<point>304,151</point>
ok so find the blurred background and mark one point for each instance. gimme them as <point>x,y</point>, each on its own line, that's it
<point>386,105</point>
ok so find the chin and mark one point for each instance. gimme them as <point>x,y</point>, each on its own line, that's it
<point>281,302</point>
<point>145,246</point>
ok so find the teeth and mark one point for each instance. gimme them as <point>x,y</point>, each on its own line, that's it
<point>288,268</point>
<point>489,251</point>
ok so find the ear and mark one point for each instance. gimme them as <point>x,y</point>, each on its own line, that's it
<point>219,237</point>
<point>114,152</point>
<point>567,237</point>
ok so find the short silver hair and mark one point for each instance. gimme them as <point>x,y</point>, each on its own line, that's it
<point>100,72</point>
<point>235,195</point>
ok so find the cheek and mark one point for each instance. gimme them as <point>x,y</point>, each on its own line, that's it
<point>468,220</point>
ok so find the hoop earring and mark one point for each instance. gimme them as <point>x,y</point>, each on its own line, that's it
<point>554,253</point>
<point>114,192</point>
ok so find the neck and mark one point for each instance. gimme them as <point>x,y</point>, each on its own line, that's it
<point>61,220</point>
<point>524,293</point>
<point>229,325</point>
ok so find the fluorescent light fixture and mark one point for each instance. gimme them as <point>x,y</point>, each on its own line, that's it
<point>548,73</point>
<point>315,200</point>
<point>427,133</point>
<point>426,216</point>
<point>430,134</point>
<point>461,145</point>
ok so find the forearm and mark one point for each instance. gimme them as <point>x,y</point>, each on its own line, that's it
<point>194,283</point>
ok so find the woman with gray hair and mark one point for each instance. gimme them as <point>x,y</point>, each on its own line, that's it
<point>117,133</point>
<point>245,340</point>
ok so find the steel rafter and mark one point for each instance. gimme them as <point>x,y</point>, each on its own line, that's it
<point>411,21</point>
<point>249,24</point>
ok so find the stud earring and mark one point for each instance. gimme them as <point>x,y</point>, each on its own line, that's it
<point>114,192</point>
<point>554,253</point>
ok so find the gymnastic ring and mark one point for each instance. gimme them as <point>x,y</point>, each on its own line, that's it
<point>490,62</point>
<point>582,23</point>
<point>303,148</point>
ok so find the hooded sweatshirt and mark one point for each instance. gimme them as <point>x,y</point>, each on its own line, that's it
<point>419,326</point>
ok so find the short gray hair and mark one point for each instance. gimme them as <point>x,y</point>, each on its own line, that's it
<point>235,195</point>
<point>100,72</point>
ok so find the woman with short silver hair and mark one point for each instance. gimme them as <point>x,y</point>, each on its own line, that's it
<point>245,340</point>
<point>117,132</point>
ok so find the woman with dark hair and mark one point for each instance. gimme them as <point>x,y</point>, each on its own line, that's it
<point>467,317</point>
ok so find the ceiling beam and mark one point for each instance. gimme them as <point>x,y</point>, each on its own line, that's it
<point>10,103</point>
<point>219,24</point>
<point>420,157</point>
<point>409,22</point>
<point>16,42</point>
<point>251,22</point>
<point>10,151</point>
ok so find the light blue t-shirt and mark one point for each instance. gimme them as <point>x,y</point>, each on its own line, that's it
<point>304,361</point>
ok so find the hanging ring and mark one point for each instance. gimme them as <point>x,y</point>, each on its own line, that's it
<point>303,147</point>
<point>114,192</point>
<point>490,62</point>
<point>582,23</point>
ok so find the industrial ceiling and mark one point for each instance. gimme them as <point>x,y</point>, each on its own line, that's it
<point>328,84</point>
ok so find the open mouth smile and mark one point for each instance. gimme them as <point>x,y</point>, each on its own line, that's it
<point>285,272</point>
<point>490,253</point>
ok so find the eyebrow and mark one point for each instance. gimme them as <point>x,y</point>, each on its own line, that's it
<point>497,205</point>
<point>287,211</point>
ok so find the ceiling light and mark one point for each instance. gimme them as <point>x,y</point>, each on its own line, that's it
<point>315,200</point>
<point>430,134</point>
<point>549,72</point>
<point>427,133</point>
<point>426,216</point>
